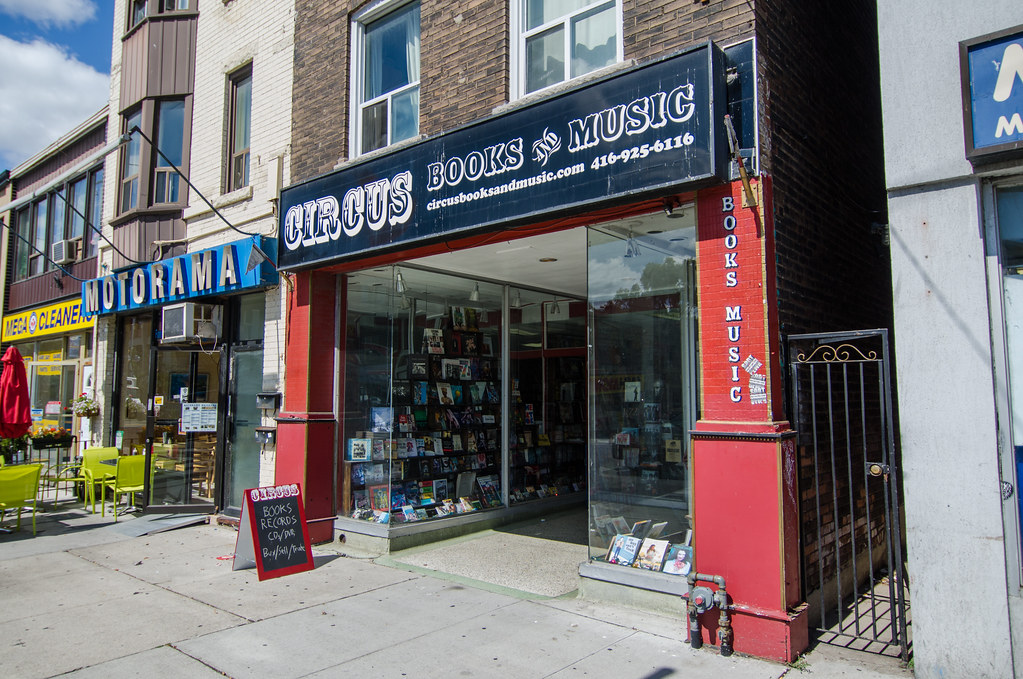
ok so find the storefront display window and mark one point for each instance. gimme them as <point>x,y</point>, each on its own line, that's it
<point>422,396</point>
<point>1009,210</point>
<point>53,367</point>
<point>51,384</point>
<point>642,385</point>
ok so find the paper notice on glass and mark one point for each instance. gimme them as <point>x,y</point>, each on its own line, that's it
<point>198,417</point>
<point>673,450</point>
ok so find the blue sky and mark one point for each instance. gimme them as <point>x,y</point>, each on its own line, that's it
<point>56,70</point>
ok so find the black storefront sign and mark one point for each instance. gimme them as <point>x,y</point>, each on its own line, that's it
<point>652,129</point>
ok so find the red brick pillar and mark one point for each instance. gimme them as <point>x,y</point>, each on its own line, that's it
<point>306,423</point>
<point>745,506</point>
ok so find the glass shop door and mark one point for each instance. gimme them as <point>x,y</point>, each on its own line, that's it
<point>183,430</point>
<point>241,463</point>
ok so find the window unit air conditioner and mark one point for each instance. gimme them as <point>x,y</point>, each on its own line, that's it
<point>191,322</point>
<point>64,251</point>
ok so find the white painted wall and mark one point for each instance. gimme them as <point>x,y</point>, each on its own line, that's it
<point>961,602</point>
<point>231,35</point>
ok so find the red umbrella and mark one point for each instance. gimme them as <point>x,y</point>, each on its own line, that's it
<point>15,408</point>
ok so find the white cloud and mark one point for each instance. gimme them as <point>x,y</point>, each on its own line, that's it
<point>609,276</point>
<point>44,93</point>
<point>51,13</point>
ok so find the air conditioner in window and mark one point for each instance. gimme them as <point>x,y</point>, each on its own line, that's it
<point>65,251</point>
<point>191,322</point>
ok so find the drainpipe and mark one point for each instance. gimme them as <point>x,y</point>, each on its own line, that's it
<point>702,599</point>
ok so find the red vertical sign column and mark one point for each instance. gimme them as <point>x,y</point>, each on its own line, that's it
<point>738,325</point>
<point>745,510</point>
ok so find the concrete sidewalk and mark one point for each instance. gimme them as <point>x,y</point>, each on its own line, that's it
<point>91,598</point>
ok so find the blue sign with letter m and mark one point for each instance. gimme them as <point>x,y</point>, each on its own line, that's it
<point>993,89</point>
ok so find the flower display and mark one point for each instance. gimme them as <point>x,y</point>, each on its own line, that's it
<point>133,408</point>
<point>83,406</point>
<point>50,437</point>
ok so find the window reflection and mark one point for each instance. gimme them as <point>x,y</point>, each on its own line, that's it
<point>643,377</point>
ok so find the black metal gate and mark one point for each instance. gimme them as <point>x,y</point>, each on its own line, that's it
<point>853,574</point>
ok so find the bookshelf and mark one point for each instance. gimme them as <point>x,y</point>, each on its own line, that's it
<point>436,449</point>
<point>548,441</point>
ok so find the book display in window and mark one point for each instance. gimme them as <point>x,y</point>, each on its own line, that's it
<point>441,435</point>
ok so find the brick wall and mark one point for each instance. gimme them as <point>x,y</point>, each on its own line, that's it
<point>820,138</point>
<point>464,62</point>
<point>464,69</point>
<point>654,29</point>
<point>230,37</point>
<point>319,124</point>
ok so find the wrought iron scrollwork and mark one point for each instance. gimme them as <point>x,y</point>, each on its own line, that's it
<point>843,353</point>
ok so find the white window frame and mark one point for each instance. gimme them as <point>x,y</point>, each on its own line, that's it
<point>519,34</point>
<point>235,155</point>
<point>374,11</point>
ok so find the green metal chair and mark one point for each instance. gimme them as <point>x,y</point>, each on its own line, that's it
<point>19,486</point>
<point>94,471</point>
<point>62,473</point>
<point>128,478</point>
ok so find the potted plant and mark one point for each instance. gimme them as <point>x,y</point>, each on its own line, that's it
<point>83,406</point>
<point>50,437</point>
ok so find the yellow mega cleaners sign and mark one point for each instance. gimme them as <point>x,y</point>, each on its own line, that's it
<point>48,320</point>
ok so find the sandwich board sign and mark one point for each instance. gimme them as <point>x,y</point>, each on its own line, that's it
<point>272,534</point>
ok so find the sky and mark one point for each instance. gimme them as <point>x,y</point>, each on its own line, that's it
<point>54,71</point>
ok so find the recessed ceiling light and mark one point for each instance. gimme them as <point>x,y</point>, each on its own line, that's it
<point>548,259</point>
<point>655,231</point>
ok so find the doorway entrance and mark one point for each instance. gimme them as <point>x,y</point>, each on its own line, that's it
<point>183,428</point>
<point>192,407</point>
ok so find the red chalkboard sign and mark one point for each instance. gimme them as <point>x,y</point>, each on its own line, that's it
<point>272,534</point>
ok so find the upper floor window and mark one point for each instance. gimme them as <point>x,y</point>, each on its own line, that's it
<point>140,9</point>
<point>385,77</point>
<point>136,12</point>
<point>131,161</point>
<point>77,197</point>
<point>239,134</point>
<point>149,170</point>
<point>23,251</point>
<point>37,261</point>
<point>95,212</point>
<point>170,137</point>
<point>557,40</point>
<point>71,212</point>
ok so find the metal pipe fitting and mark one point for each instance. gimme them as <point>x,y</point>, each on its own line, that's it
<point>699,602</point>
